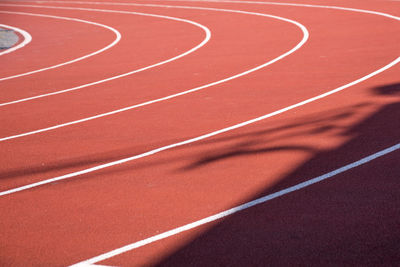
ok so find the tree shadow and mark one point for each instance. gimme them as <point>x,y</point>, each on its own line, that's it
<point>351,220</point>
<point>262,141</point>
<point>249,143</point>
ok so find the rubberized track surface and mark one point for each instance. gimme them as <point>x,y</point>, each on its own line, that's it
<point>140,133</point>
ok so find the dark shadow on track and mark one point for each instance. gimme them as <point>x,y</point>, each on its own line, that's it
<point>260,142</point>
<point>254,142</point>
<point>352,219</point>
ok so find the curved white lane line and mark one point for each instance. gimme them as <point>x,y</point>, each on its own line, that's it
<point>166,234</point>
<point>300,44</point>
<point>205,40</point>
<point>305,37</point>
<point>247,205</point>
<point>116,40</point>
<point>227,1</point>
<point>25,34</point>
<point>199,138</point>
<point>292,4</point>
<point>266,198</point>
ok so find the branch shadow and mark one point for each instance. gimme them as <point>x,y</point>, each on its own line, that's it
<point>264,141</point>
<point>252,142</point>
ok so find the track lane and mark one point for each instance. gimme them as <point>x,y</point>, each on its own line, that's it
<point>349,219</point>
<point>128,132</point>
<point>139,190</point>
<point>190,186</point>
<point>157,124</point>
<point>115,41</point>
<point>155,55</point>
<point>377,43</point>
<point>140,92</point>
<point>31,56</point>
<point>236,162</point>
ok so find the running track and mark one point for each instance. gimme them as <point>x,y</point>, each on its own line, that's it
<point>140,133</point>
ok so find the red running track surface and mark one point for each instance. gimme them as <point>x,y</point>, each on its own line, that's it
<point>351,218</point>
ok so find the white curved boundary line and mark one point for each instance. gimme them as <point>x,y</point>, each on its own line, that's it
<point>116,40</point>
<point>205,136</point>
<point>218,216</point>
<point>25,34</point>
<point>205,40</point>
<point>305,37</point>
<point>266,198</point>
<point>199,138</point>
<point>226,1</point>
<point>249,204</point>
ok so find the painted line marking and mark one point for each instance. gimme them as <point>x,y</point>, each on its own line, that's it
<point>229,1</point>
<point>301,43</point>
<point>93,265</point>
<point>116,40</point>
<point>205,40</point>
<point>248,204</point>
<point>252,203</point>
<point>202,137</point>
<point>236,209</point>
<point>25,34</point>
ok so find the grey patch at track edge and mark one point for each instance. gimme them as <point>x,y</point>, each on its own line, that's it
<point>8,38</point>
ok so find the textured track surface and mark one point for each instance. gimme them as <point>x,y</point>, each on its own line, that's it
<point>271,95</point>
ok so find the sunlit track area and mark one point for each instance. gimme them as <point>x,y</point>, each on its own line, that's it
<point>199,133</point>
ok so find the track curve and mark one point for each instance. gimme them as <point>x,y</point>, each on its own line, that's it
<point>311,185</point>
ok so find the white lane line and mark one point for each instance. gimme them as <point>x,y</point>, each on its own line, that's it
<point>116,40</point>
<point>25,34</point>
<point>236,209</point>
<point>265,198</point>
<point>93,265</point>
<point>205,136</point>
<point>205,40</point>
<point>189,141</point>
<point>229,1</point>
<point>304,39</point>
